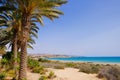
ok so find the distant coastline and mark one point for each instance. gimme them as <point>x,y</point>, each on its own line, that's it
<point>105,60</point>
<point>49,56</point>
<point>68,58</point>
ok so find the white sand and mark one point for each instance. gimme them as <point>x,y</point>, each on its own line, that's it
<point>32,76</point>
<point>65,74</point>
<point>73,74</point>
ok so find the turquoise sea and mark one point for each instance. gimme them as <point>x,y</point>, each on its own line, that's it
<point>89,59</point>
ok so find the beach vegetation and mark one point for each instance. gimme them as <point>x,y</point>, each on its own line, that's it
<point>89,68</point>
<point>51,75</point>
<point>59,67</point>
<point>43,78</point>
<point>43,60</point>
<point>110,73</point>
<point>39,69</point>
<point>35,66</point>
<point>32,63</point>
<point>85,69</point>
<point>53,64</point>
<point>4,63</point>
<point>10,73</point>
<point>70,64</point>
<point>2,75</point>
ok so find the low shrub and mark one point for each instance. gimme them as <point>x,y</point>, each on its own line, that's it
<point>32,63</point>
<point>53,64</point>
<point>39,69</point>
<point>110,73</point>
<point>35,66</point>
<point>43,78</point>
<point>95,68</point>
<point>51,75</point>
<point>70,64</point>
<point>2,75</point>
<point>89,68</point>
<point>4,62</point>
<point>8,57</point>
<point>85,69</point>
<point>47,65</point>
<point>10,73</point>
<point>59,67</point>
<point>43,60</point>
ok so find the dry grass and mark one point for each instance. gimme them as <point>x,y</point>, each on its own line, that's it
<point>110,73</point>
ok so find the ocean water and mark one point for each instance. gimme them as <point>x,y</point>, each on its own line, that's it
<point>89,59</point>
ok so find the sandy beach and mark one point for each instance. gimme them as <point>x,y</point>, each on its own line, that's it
<point>66,74</point>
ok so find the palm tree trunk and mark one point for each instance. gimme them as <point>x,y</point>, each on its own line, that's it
<point>23,61</point>
<point>15,56</point>
<point>23,56</point>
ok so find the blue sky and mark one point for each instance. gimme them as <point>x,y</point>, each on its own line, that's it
<point>87,28</point>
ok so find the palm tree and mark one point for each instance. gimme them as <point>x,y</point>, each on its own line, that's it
<point>33,10</point>
<point>14,27</point>
<point>11,20</point>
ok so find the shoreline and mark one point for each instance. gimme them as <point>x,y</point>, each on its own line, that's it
<point>105,63</point>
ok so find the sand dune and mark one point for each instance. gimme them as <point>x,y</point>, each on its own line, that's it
<point>73,74</point>
<point>65,74</point>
